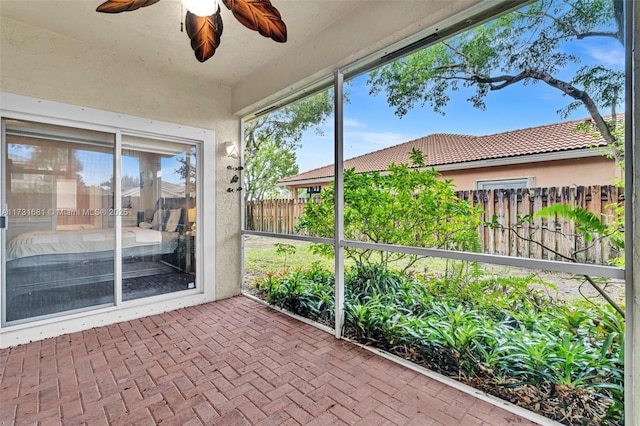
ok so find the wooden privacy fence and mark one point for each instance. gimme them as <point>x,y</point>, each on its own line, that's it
<point>277,215</point>
<point>511,237</point>
<point>514,237</point>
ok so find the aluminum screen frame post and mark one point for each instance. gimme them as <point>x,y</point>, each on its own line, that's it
<point>632,203</point>
<point>338,202</point>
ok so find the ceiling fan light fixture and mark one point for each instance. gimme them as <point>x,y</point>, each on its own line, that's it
<point>201,8</point>
<point>203,21</point>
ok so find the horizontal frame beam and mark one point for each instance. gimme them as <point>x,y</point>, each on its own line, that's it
<point>521,262</point>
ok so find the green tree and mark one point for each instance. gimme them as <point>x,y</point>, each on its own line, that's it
<point>526,46</point>
<point>270,163</point>
<point>408,206</point>
<point>187,165</point>
<point>271,142</point>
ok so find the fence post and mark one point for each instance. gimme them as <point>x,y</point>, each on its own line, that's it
<point>566,245</point>
<point>551,239</point>
<point>592,203</point>
<point>536,251</point>
<point>503,220</point>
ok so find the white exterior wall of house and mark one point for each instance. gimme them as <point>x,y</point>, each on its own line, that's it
<point>43,65</point>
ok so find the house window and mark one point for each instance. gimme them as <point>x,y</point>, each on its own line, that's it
<point>69,246</point>
<point>511,183</point>
<point>311,190</point>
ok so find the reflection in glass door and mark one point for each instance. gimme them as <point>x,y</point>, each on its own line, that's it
<point>158,234</point>
<point>60,252</point>
<point>61,227</point>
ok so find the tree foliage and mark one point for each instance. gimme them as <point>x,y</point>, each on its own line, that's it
<point>407,206</point>
<point>271,142</point>
<point>525,46</point>
<point>270,163</point>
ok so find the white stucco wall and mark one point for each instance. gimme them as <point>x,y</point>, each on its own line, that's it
<point>48,66</point>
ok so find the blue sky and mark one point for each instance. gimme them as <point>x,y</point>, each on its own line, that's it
<point>370,125</point>
<point>96,168</point>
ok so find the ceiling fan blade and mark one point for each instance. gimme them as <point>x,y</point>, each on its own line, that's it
<point>259,15</point>
<point>117,6</point>
<point>205,33</point>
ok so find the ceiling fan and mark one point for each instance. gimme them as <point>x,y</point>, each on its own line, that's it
<point>204,23</point>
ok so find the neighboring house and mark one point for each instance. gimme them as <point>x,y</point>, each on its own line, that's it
<point>551,155</point>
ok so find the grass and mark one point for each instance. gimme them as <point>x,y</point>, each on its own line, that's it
<point>265,257</point>
<point>269,260</point>
<point>262,256</point>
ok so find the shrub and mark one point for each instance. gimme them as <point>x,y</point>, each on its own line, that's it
<point>407,206</point>
<point>565,361</point>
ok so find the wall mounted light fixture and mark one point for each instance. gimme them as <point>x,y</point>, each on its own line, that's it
<point>232,151</point>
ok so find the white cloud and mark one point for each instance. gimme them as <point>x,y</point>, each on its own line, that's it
<point>374,140</point>
<point>348,122</point>
<point>607,55</point>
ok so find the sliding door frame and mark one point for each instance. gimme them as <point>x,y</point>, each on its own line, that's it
<point>35,110</point>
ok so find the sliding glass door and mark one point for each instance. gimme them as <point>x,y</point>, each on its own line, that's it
<point>60,236</point>
<point>85,232</point>
<point>158,237</point>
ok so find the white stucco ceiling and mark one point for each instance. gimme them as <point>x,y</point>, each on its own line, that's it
<point>152,34</point>
<point>322,35</point>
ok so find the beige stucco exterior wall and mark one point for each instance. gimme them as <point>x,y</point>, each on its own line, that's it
<point>49,66</point>
<point>574,172</point>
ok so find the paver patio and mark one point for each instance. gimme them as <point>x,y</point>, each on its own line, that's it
<point>231,362</point>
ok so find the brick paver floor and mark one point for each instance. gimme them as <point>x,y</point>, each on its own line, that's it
<point>232,362</point>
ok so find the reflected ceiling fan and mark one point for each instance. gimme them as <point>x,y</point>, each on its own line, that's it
<point>204,23</point>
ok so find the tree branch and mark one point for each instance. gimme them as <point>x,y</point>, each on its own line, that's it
<point>573,30</point>
<point>564,87</point>
<point>611,34</point>
<point>456,51</point>
<point>574,260</point>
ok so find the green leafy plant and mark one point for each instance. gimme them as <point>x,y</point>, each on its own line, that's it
<point>587,223</point>
<point>407,206</point>
<point>284,250</point>
<point>483,332</point>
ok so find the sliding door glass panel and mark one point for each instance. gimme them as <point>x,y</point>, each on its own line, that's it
<point>60,236</point>
<point>158,217</point>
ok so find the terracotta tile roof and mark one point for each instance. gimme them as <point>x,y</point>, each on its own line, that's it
<point>445,148</point>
